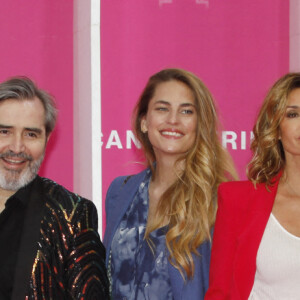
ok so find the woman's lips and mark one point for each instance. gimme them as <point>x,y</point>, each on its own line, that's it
<point>171,133</point>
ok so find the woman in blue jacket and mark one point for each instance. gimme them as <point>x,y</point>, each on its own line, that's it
<point>159,221</point>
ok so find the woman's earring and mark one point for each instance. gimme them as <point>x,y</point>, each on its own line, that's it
<point>143,126</point>
<point>144,130</point>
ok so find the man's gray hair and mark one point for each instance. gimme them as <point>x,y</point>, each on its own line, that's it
<point>24,88</point>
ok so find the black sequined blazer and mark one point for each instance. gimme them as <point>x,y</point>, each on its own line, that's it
<point>60,254</point>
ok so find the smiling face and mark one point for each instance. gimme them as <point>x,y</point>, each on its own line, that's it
<point>171,119</point>
<point>289,130</point>
<point>22,141</point>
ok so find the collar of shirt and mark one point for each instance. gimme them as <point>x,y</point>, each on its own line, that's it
<point>21,196</point>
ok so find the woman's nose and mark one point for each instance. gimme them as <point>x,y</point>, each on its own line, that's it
<point>172,117</point>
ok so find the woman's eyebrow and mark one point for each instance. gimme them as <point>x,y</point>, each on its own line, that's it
<point>187,104</point>
<point>162,102</point>
<point>168,103</point>
<point>292,106</point>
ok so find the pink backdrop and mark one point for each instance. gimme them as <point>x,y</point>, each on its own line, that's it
<point>238,48</point>
<point>37,41</point>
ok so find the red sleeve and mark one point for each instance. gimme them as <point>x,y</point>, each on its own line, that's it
<point>224,245</point>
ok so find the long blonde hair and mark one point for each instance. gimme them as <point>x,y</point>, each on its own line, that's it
<point>268,156</point>
<point>190,203</point>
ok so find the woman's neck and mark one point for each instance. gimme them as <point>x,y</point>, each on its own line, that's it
<point>165,176</point>
<point>291,173</point>
<point>166,172</point>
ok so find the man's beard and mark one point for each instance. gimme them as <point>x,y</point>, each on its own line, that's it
<point>13,180</point>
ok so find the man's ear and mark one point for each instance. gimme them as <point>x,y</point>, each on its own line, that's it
<point>144,127</point>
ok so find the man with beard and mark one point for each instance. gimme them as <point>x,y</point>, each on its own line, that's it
<point>49,245</point>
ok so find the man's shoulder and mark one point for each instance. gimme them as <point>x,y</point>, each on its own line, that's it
<point>58,194</point>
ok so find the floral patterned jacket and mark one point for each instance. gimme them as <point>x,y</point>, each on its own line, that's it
<point>119,197</point>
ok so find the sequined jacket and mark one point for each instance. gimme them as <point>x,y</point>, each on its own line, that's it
<point>60,254</point>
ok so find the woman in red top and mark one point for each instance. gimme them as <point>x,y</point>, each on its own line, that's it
<point>257,230</point>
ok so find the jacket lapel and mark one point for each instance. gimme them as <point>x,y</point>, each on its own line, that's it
<point>123,198</point>
<point>28,243</point>
<point>260,209</point>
